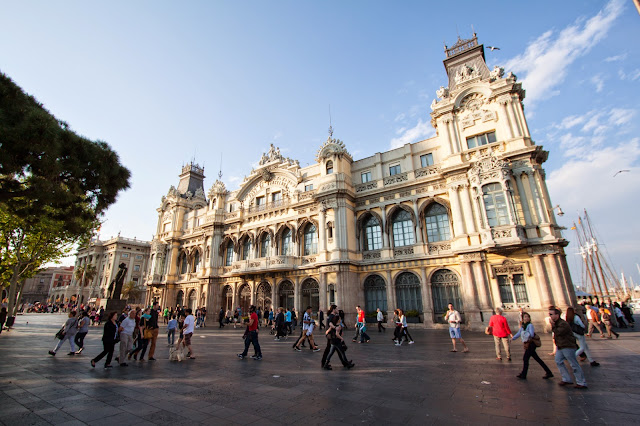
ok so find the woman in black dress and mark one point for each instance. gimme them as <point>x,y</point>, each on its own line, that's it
<point>109,339</point>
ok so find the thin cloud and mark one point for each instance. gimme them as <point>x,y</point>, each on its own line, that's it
<point>616,58</point>
<point>546,60</point>
<point>598,81</point>
<point>420,131</point>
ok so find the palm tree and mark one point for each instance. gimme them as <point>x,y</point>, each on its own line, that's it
<point>130,291</point>
<point>85,274</point>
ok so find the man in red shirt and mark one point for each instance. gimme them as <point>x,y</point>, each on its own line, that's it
<point>501,333</point>
<point>252,336</point>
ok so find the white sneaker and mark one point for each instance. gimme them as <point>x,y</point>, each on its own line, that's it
<point>411,342</point>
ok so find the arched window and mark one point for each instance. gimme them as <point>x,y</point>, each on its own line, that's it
<point>183,263</point>
<point>245,298</point>
<point>408,292</point>
<point>193,300</point>
<point>329,167</point>
<point>402,229</point>
<point>263,296</point>
<point>180,298</point>
<point>310,240</point>
<point>286,294</point>
<point>445,287</point>
<point>285,249</point>
<point>229,254</point>
<point>246,249</point>
<point>196,261</point>
<point>437,221</point>
<point>265,246</point>
<point>375,294</point>
<point>227,297</point>
<point>372,234</point>
<point>495,204</point>
<point>310,294</point>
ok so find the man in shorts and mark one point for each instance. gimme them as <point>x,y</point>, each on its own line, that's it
<point>188,327</point>
<point>453,318</point>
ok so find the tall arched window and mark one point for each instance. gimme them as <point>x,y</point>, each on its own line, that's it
<point>372,234</point>
<point>286,294</point>
<point>265,246</point>
<point>183,263</point>
<point>310,240</point>
<point>193,300</point>
<point>310,294</point>
<point>285,249</point>
<point>402,229</point>
<point>244,298</point>
<point>375,294</point>
<point>408,293</point>
<point>445,288</point>
<point>196,261</point>
<point>329,167</point>
<point>495,204</point>
<point>227,297</point>
<point>437,222</point>
<point>263,296</point>
<point>246,249</point>
<point>180,298</point>
<point>229,254</point>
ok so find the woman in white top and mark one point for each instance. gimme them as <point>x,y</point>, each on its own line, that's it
<point>526,333</point>
<point>404,331</point>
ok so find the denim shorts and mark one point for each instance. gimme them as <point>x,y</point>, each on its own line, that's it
<point>454,333</point>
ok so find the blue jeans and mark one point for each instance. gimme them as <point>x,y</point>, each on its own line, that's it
<point>171,336</point>
<point>570,355</point>
<point>252,337</point>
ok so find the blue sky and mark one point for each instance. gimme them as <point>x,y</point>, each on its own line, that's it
<point>166,82</point>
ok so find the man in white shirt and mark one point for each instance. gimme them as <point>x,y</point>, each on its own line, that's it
<point>127,327</point>
<point>453,318</point>
<point>307,326</point>
<point>188,327</point>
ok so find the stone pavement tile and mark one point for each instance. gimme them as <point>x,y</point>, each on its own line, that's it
<point>72,423</point>
<point>122,419</point>
<point>12,408</point>
<point>196,416</point>
<point>55,416</point>
<point>25,418</point>
<point>88,415</point>
<point>78,405</point>
<point>164,417</point>
<point>138,409</point>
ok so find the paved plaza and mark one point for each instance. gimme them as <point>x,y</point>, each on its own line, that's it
<point>418,384</point>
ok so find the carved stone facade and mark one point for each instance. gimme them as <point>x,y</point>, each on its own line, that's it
<point>463,217</point>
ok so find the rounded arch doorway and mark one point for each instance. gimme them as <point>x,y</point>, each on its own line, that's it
<point>244,298</point>
<point>180,298</point>
<point>263,296</point>
<point>286,295</point>
<point>310,295</point>
<point>193,300</point>
<point>227,298</point>
<point>445,287</point>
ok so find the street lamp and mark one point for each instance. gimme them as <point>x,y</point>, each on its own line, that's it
<point>559,210</point>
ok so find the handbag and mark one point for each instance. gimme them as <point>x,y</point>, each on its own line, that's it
<point>536,340</point>
<point>148,334</point>
<point>488,330</point>
<point>60,334</point>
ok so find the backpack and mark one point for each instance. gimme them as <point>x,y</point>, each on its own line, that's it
<point>577,329</point>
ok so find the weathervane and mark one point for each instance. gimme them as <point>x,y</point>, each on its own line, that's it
<point>330,127</point>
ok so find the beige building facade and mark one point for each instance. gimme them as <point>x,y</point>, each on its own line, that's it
<point>106,256</point>
<point>463,217</point>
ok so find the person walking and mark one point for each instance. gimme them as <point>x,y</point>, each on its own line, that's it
<point>271,317</point>
<point>321,319</point>
<point>155,328</point>
<point>189,326</point>
<point>221,317</point>
<point>287,321</point>
<point>499,328</point>
<point>69,333</point>
<point>126,329</point>
<point>336,344</point>
<point>3,317</point>
<point>252,336</point>
<point>566,350</point>
<point>165,315</point>
<point>143,338</point>
<point>361,326</point>
<point>526,333</point>
<point>83,329</point>
<point>577,327</point>
<point>380,319</point>
<point>109,339</point>
<point>606,319</point>
<point>593,317</point>
<point>307,326</point>
<point>280,324</point>
<point>171,331</point>
<point>454,319</point>
<point>404,329</point>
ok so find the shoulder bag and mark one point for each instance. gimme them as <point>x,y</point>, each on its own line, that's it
<point>536,340</point>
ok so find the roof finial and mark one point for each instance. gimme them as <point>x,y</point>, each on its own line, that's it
<point>220,172</point>
<point>330,127</point>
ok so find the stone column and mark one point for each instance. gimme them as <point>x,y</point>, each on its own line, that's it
<point>535,196</point>
<point>562,260</point>
<point>418,224</point>
<point>392,303</point>
<point>385,231</point>
<point>469,296</point>
<point>546,200</point>
<point>274,295</point>
<point>546,298</point>
<point>523,199</point>
<point>508,126</point>
<point>445,121</point>
<point>323,290</point>
<point>515,119</point>
<point>557,282</point>
<point>234,300</point>
<point>427,299</point>
<point>322,234</point>
<point>458,221</point>
<point>481,285</point>
<point>297,300</point>
<point>470,223</point>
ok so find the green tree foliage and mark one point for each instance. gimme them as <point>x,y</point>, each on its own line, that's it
<point>130,291</point>
<point>85,275</point>
<point>54,186</point>
<point>47,169</point>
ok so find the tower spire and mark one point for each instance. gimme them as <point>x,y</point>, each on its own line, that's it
<point>330,126</point>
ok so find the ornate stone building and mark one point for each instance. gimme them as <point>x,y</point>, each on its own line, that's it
<point>105,256</point>
<point>462,217</point>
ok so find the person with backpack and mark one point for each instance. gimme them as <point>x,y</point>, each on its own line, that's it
<point>68,332</point>
<point>578,329</point>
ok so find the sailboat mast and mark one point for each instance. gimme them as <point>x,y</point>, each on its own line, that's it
<point>584,253</point>
<point>590,263</point>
